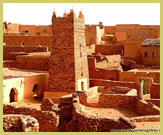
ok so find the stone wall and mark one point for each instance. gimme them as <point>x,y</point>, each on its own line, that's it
<point>154,101</point>
<point>74,119</point>
<point>109,83</point>
<point>47,119</point>
<point>20,123</point>
<point>149,118</point>
<point>114,89</point>
<point>83,122</point>
<point>145,108</point>
<point>117,101</point>
<point>68,64</point>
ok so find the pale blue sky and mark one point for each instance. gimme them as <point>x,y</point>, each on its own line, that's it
<point>108,13</point>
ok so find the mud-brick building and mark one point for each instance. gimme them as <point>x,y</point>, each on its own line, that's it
<point>68,65</point>
<point>150,52</point>
<point>20,84</point>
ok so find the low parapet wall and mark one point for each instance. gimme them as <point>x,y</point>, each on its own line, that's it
<point>109,83</point>
<point>117,101</point>
<point>145,108</point>
<point>22,50</point>
<point>47,119</point>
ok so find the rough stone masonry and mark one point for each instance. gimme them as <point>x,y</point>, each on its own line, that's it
<point>68,65</point>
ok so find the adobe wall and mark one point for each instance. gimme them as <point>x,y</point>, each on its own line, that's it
<point>109,83</point>
<point>24,86</point>
<point>34,30</point>
<point>32,63</point>
<point>28,40</point>
<point>104,74</point>
<point>155,91</point>
<point>110,29</point>
<point>119,37</point>
<point>117,101</point>
<point>93,34</point>
<point>109,49</point>
<point>47,119</point>
<point>132,47</point>
<point>150,60</point>
<point>7,49</point>
<point>135,30</point>
<point>20,123</point>
<point>140,30</point>
<point>132,76</point>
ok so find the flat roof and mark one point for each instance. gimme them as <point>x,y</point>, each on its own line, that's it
<point>16,73</point>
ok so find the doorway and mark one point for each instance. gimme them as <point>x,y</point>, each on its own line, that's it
<point>82,85</point>
<point>35,91</point>
<point>13,95</point>
<point>144,87</point>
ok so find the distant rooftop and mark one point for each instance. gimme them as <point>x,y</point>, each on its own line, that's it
<point>17,73</point>
<point>151,42</point>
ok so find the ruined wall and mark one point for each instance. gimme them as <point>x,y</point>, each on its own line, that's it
<point>153,55</point>
<point>109,49</point>
<point>155,91</point>
<point>117,101</point>
<point>109,83</point>
<point>22,50</point>
<point>68,66</point>
<point>20,123</point>
<point>28,40</point>
<point>132,76</point>
<point>77,120</point>
<point>115,89</point>
<point>105,70</point>
<point>47,120</point>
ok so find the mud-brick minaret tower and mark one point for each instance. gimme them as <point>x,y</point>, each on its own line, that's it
<point>68,65</point>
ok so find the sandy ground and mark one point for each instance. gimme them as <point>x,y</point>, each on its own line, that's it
<point>110,112</point>
<point>147,125</point>
<point>29,102</point>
